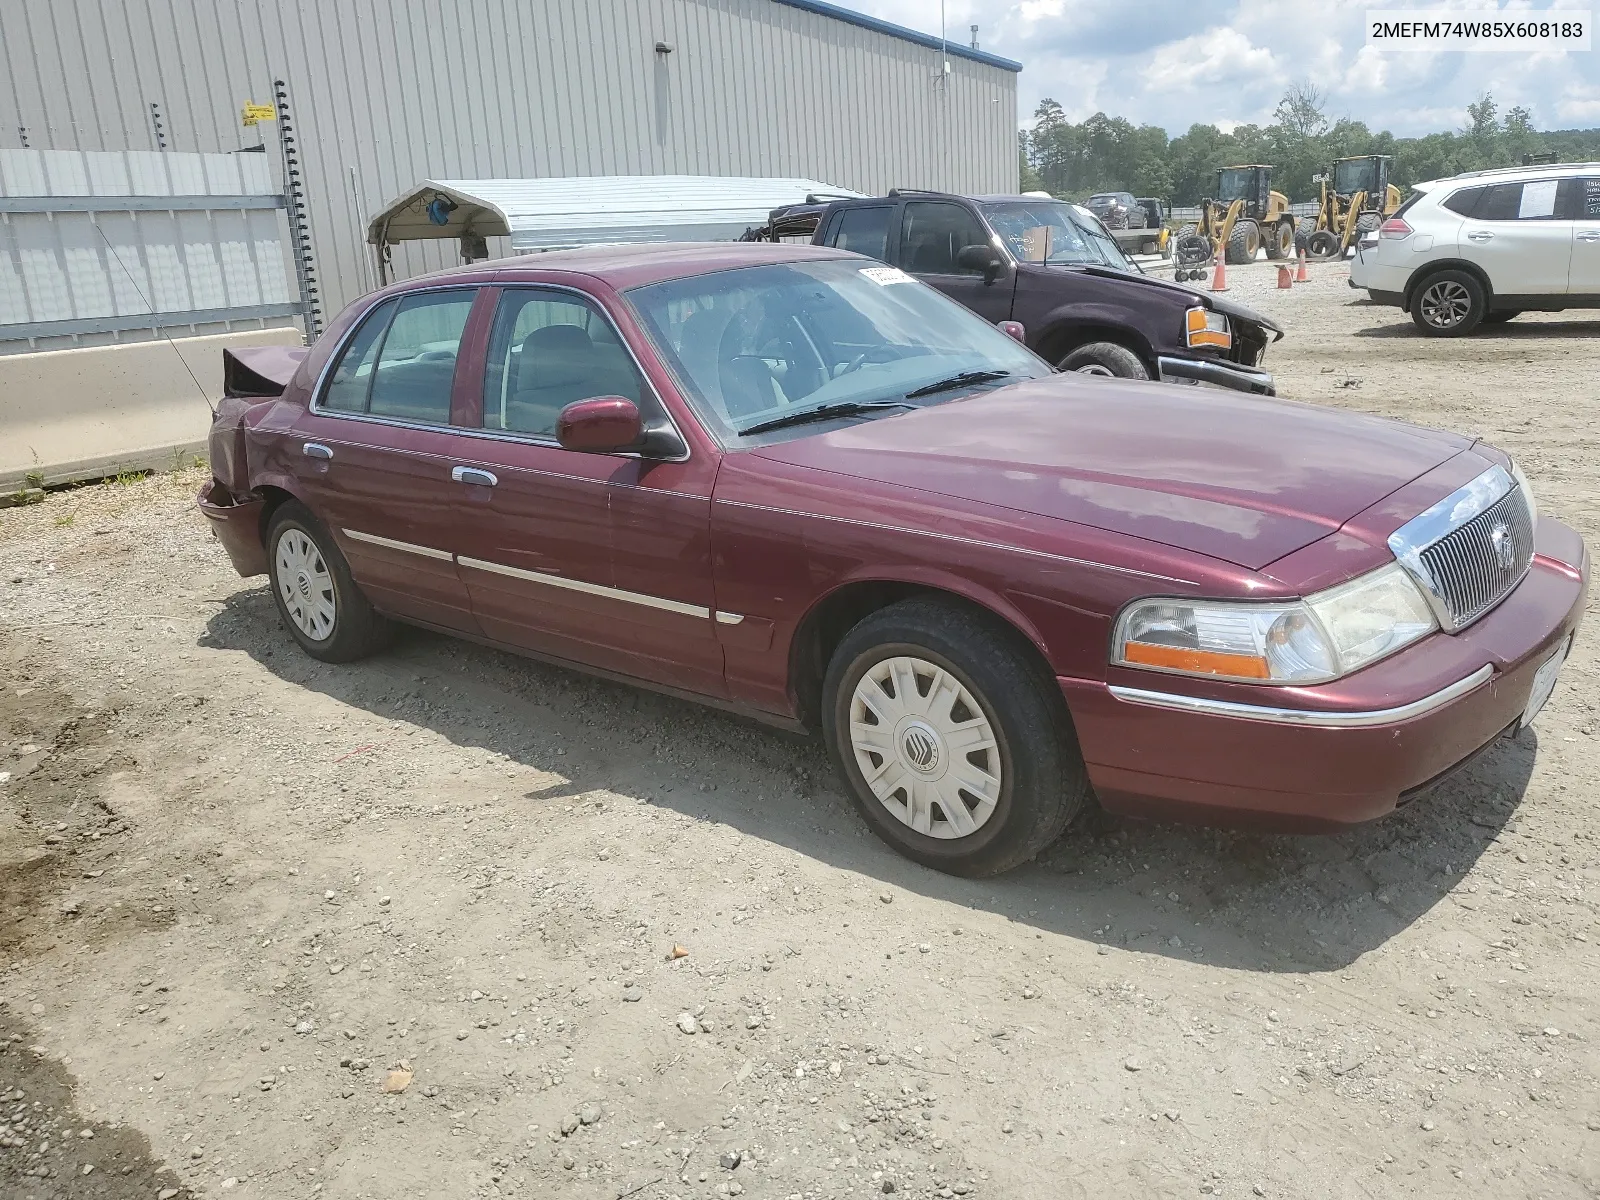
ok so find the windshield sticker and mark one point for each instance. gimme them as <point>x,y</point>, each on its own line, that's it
<point>884,276</point>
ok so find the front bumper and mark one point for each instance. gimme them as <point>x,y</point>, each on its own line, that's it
<point>236,522</point>
<point>1172,369</point>
<point>1329,757</point>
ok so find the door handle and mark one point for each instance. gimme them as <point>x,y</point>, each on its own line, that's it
<point>316,450</point>
<point>1588,236</point>
<point>473,475</point>
<point>1480,235</point>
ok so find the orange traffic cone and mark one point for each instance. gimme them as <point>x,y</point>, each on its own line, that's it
<point>1285,277</point>
<point>1219,274</point>
<point>1300,275</point>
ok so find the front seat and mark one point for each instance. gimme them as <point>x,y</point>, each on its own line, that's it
<point>559,365</point>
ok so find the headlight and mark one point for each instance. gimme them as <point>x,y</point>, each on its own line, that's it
<point>1206,327</point>
<point>1527,493</point>
<point>1305,641</point>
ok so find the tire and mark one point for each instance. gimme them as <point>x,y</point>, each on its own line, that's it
<point>1367,222</point>
<point>1243,243</point>
<point>1280,239</point>
<point>1105,358</point>
<point>1028,779</point>
<point>320,604</point>
<point>1448,304</point>
<point>1502,316</point>
<point>1186,230</point>
<point>1324,244</point>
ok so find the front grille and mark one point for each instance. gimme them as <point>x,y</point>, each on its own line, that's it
<point>1473,566</point>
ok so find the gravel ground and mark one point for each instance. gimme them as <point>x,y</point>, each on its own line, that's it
<point>450,923</point>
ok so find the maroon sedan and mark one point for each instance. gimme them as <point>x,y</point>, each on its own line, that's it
<point>797,483</point>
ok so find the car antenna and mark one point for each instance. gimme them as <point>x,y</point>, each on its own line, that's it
<point>161,329</point>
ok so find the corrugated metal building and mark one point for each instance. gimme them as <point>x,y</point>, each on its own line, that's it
<point>385,94</point>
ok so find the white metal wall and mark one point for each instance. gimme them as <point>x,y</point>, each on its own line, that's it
<point>87,251</point>
<point>389,92</point>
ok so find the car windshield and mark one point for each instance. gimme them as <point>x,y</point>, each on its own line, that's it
<point>1107,199</point>
<point>1236,183</point>
<point>1356,175</point>
<point>757,344</point>
<point>1050,232</point>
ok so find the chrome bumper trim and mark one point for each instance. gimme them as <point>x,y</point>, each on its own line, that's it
<point>1220,374</point>
<point>1319,719</point>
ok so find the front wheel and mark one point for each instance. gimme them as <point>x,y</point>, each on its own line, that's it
<point>1448,304</point>
<point>1105,358</point>
<point>318,600</point>
<point>956,748</point>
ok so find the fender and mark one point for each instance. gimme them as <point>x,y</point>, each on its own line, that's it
<point>938,579</point>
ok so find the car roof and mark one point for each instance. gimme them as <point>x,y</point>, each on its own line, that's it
<point>1513,174</point>
<point>626,266</point>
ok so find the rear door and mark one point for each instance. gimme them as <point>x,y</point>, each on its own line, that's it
<point>376,448</point>
<point>932,235</point>
<point>1581,203</point>
<point>862,230</point>
<point>1516,235</point>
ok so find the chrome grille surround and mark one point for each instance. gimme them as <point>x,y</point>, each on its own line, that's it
<point>1469,550</point>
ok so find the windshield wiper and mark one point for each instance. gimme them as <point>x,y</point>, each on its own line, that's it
<point>824,412</point>
<point>960,379</point>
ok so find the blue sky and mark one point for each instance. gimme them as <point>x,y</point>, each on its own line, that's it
<point>1176,62</point>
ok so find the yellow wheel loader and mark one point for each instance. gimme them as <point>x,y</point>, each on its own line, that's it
<point>1357,197</point>
<point>1245,215</point>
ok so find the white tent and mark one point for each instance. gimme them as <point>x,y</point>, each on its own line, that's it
<point>549,214</point>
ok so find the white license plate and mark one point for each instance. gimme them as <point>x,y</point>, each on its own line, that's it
<point>1544,682</point>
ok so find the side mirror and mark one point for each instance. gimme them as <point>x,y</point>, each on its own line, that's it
<point>980,258</point>
<point>1015,331</point>
<point>599,425</point>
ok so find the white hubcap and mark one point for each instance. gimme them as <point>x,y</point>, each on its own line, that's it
<point>305,585</point>
<point>1093,369</point>
<point>925,747</point>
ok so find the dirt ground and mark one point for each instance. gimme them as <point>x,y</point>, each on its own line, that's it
<point>245,899</point>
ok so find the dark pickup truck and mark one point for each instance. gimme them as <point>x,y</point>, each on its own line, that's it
<point>1053,268</point>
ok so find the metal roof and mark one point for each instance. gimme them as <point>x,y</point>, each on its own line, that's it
<point>548,214</point>
<point>851,17</point>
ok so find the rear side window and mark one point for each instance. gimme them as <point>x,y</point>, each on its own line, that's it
<point>863,231</point>
<point>934,233</point>
<point>347,387</point>
<point>417,361</point>
<point>1462,202</point>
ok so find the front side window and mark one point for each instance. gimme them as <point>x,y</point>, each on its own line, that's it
<point>1047,231</point>
<point>547,350</point>
<point>401,362</point>
<point>757,343</point>
<point>863,231</point>
<point>1580,199</point>
<point>933,234</point>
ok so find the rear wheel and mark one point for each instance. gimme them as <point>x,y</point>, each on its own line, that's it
<point>319,602</point>
<point>1243,243</point>
<point>1280,243</point>
<point>1448,304</point>
<point>956,748</point>
<point>1105,358</point>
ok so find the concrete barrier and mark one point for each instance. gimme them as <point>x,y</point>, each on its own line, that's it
<point>88,413</point>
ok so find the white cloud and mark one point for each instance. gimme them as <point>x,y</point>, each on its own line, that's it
<point>1173,63</point>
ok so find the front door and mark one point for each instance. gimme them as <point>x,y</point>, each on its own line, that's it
<point>932,235</point>
<point>376,449</point>
<point>600,559</point>
<point>1582,204</point>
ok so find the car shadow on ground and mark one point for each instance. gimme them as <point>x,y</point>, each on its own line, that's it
<point>1242,900</point>
<point>1521,328</point>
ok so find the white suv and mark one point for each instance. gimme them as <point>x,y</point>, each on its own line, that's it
<point>1487,245</point>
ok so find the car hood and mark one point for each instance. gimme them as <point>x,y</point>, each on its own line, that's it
<point>1240,478</point>
<point>1210,299</point>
